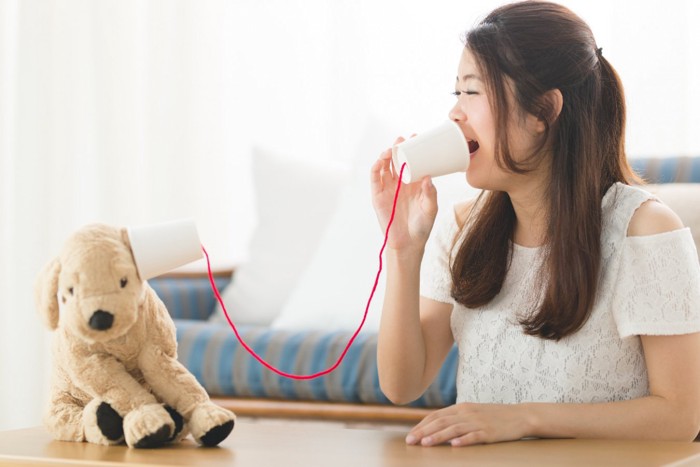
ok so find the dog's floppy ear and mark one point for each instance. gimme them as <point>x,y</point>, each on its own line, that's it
<point>46,293</point>
<point>125,238</point>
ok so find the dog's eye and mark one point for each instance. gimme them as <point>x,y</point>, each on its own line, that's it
<point>123,282</point>
<point>70,290</point>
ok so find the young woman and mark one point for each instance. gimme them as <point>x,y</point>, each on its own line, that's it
<point>573,297</point>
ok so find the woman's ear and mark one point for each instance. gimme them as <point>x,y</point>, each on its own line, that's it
<point>46,293</point>
<point>552,102</point>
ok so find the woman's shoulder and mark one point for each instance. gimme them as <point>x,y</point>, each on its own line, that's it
<point>653,217</point>
<point>640,212</point>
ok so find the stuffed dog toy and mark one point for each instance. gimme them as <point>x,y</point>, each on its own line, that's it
<point>116,376</point>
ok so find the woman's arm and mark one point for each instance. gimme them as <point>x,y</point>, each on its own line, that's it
<point>670,412</point>
<point>414,333</point>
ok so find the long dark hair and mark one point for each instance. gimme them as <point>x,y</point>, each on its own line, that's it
<point>541,46</point>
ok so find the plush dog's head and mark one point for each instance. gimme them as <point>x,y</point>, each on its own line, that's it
<point>93,288</point>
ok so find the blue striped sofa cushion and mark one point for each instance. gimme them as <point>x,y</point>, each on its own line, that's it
<point>218,361</point>
<point>668,170</point>
<point>188,297</point>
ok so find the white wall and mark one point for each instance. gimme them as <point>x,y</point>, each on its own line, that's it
<point>133,112</point>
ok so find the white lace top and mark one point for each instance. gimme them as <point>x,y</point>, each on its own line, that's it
<point>649,285</point>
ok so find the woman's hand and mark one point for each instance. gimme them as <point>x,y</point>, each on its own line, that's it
<point>416,207</point>
<point>466,424</point>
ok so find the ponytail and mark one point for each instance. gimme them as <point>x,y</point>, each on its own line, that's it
<point>612,121</point>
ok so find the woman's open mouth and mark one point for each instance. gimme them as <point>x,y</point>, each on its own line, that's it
<point>473,146</point>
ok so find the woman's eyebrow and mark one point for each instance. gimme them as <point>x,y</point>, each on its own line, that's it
<point>468,76</point>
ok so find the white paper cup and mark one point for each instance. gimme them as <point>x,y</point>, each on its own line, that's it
<point>440,151</point>
<point>159,248</point>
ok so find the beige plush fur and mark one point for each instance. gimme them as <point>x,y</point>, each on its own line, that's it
<point>127,362</point>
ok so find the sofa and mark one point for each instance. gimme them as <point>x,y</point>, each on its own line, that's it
<point>234,379</point>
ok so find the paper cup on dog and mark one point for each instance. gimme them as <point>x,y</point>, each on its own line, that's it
<point>440,151</point>
<point>159,248</point>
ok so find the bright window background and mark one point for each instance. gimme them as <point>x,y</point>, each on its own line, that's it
<point>132,112</point>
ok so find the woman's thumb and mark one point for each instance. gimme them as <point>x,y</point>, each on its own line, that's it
<point>428,189</point>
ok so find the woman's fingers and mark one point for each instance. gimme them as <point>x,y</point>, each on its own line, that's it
<point>375,176</point>
<point>378,177</point>
<point>475,437</point>
<point>388,154</point>
<point>447,430</point>
<point>429,194</point>
<point>428,187</point>
<point>419,431</point>
<point>453,431</point>
<point>380,173</point>
<point>466,424</point>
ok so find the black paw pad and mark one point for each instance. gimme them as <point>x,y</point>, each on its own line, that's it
<point>156,439</point>
<point>217,434</point>
<point>109,422</point>
<point>177,418</point>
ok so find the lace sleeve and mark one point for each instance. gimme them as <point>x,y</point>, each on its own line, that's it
<point>658,286</point>
<point>435,277</point>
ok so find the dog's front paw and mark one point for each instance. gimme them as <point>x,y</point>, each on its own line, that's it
<point>211,424</point>
<point>149,426</point>
<point>102,424</point>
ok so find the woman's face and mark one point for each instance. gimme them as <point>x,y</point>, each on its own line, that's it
<point>473,114</point>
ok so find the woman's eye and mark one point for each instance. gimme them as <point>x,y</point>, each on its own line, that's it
<point>123,282</point>
<point>70,290</point>
<point>468,93</point>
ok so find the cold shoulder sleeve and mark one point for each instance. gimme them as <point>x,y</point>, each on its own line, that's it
<point>658,285</point>
<point>435,277</point>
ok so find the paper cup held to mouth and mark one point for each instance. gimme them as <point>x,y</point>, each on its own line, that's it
<point>440,151</point>
<point>159,248</point>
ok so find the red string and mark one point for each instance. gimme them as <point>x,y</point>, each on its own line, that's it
<point>352,339</point>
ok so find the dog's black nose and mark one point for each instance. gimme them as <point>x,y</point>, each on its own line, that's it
<point>101,320</point>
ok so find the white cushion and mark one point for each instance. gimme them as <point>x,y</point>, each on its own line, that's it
<point>295,200</point>
<point>333,291</point>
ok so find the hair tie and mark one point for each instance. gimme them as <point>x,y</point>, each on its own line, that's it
<point>599,51</point>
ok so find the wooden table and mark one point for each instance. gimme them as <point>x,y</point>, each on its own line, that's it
<point>265,444</point>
